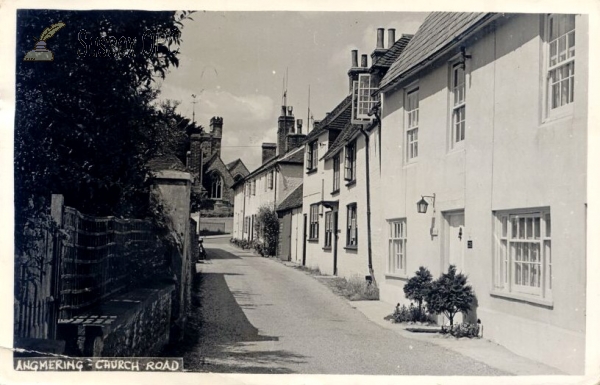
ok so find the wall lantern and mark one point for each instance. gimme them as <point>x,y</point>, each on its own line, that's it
<point>422,204</point>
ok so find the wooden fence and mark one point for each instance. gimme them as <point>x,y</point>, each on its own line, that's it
<point>103,256</point>
<point>75,261</point>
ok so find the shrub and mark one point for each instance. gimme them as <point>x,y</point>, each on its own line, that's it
<point>450,294</point>
<point>462,330</point>
<point>417,287</point>
<point>267,226</point>
<point>357,289</point>
<point>401,314</point>
<point>410,314</point>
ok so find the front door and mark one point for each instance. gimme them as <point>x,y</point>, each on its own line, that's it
<point>455,245</point>
<point>455,241</point>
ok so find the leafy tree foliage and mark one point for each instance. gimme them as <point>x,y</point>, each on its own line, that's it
<point>418,286</point>
<point>86,123</point>
<point>267,226</point>
<point>450,294</point>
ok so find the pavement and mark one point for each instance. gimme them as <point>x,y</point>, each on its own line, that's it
<point>255,315</point>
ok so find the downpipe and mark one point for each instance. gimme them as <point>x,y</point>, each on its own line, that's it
<point>368,181</point>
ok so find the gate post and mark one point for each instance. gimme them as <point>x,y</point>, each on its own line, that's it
<point>57,206</point>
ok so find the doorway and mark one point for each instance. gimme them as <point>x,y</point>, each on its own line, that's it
<point>453,252</point>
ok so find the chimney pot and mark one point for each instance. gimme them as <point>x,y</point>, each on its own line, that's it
<point>354,58</point>
<point>299,126</point>
<point>391,37</point>
<point>380,32</point>
<point>363,61</point>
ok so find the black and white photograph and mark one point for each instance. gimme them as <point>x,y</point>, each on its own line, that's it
<point>205,191</point>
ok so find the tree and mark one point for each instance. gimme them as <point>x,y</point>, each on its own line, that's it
<point>417,287</point>
<point>85,123</point>
<point>450,294</point>
<point>267,226</point>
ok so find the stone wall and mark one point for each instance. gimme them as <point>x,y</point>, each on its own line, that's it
<point>132,325</point>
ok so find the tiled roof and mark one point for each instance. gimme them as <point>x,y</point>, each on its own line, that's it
<point>438,31</point>
<point>336,120</point>
<point>392,54</point>
<point>345,136</point>
<point>292,201</point>
<point>295,155</point>
<point>231,165</point>
<point>166,162</point>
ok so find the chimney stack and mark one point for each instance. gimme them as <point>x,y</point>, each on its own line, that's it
<point>363,61</point>
<point>285,126</point>
<point>391,37</point>
<point>269,150</point>
<point>380,32</point>
<point>354,58</point>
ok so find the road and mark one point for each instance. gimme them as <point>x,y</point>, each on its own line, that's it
<point>256,315</point>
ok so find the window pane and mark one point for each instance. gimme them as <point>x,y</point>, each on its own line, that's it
<point>504,227</point>
<point>547,220</point>
<point>521,228</point>
<point>515,222</point>
<point>536,225</point>
<point>529,228</point>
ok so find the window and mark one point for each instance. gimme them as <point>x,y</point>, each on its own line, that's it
<point>328,229</point>
<point>216,186</point>
<point>458,104</point>
<point>246,224</point>
<point>561,60</point>
<point>412,124</point>
<point>270,180</point>
<point>254,187</point>
<point>365,101</point>
<point>336,173</point>
<point>351,231</point>
<point>312,157</point>
<point>314,221</point>
<point>397,247</point>
<point>350,163</point>
<point>523,259</point>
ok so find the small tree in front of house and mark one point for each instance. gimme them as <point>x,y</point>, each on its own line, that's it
<point>417,287</point>
<point>450,294</point>
<point>267,226</point>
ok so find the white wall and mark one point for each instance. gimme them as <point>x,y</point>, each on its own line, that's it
<point>512,159</point>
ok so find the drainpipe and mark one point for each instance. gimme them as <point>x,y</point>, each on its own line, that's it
<point>368,180</point>
<point>244,211</point>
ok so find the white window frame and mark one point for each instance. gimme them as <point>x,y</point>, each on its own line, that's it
<point>397,247</point>
<point>350,162</point>
<point>270,178</point>
<point>412,123</point>
<point>556,64</point>
<point>458,105</point>
<point>529,276</point>
<point>312,157</point>
<point>328,229</point>
<point>352,225</point>
<point>336,173</point>
<point>365,100</point>
<point>314,222</point>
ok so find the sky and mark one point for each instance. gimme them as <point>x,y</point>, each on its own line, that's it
<point>235,63</point>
